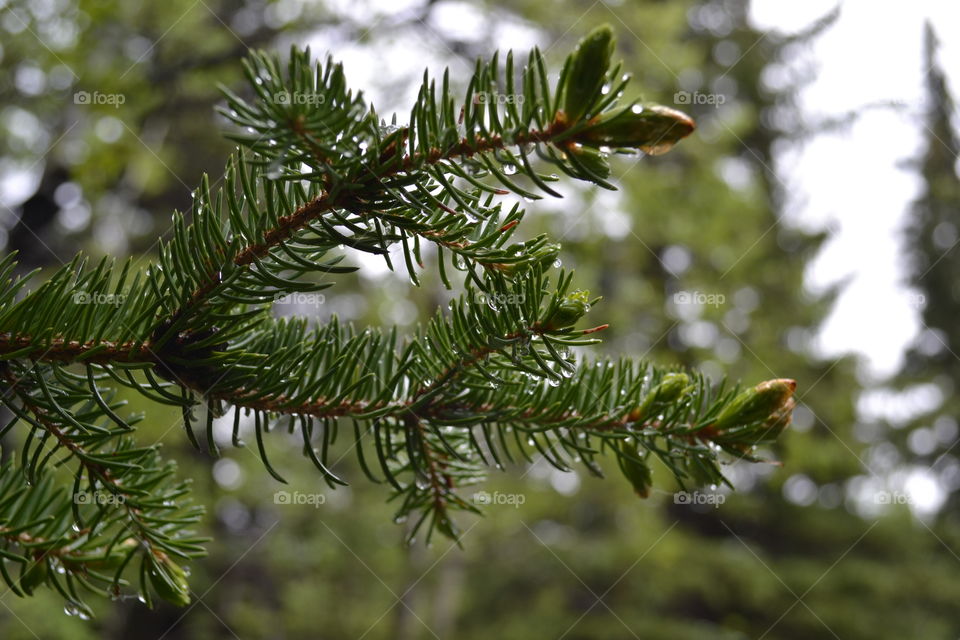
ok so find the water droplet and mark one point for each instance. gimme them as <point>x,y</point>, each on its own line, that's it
<point>509,169</point>
<point>400,519</point>
<point>72,609</point>
<point>557,263</point>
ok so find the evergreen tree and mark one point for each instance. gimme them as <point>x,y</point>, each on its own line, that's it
<point>929,439</point>
<point>86,507</point>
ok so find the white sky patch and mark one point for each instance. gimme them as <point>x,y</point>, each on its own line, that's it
<point>850,181</point>
<point>899,407</point>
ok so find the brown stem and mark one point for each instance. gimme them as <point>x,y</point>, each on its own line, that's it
<point>82,456</point>
<point>65,351</point>
<point>306,213</point>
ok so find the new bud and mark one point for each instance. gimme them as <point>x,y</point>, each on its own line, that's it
<point>571,308</point>
<point>779,420</point>
<point>770,400</point>
<point>653,129</point>
<point>671,388</point>
<point>169,580</point>
<point>587,70</point>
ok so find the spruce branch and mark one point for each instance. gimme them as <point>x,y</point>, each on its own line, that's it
<point>492,380</point>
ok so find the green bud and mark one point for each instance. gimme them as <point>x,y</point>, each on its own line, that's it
<point>571,308</point>
<point>170,581</point>
<point>653,129</point>
<point>591,159</point>
<point>764,402</point>
<point>638,473</point>
<point>34,574</point>
<point>779,420</point>
<point>587,69</point>
<point>671,388</point>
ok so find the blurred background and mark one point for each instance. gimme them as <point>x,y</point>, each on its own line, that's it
<point>806,230</point>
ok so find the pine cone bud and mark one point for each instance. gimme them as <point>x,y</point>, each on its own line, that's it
<point>586,72</point>
<point>169,580</point>
<point>653,129</point>
<point>779,420</point>
<point>769,400</point>
<point>571,308</point>
<point>671,388</point>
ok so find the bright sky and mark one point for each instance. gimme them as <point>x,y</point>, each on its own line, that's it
<point>850,182</point>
